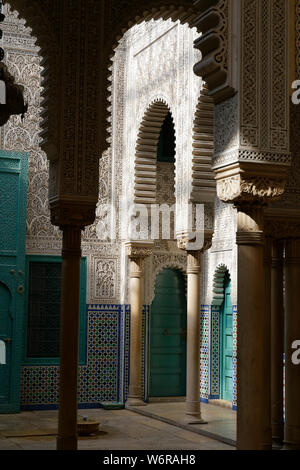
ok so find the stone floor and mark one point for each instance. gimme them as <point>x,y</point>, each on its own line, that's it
<point>119,430</point>
<point>221,420</point>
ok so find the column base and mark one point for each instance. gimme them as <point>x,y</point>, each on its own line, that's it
<point>277,433</point>
<point>287,446</point>
<point>66,443</point>
<point>134,401</point>
<point>193,419</point>
<point>292,437</point>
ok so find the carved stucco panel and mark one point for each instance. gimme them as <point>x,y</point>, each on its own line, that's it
<point>159,66</point>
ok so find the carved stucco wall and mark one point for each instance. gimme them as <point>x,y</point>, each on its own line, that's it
<point>23,61</point>
<point>222,252</point>
<point>159,72</point>
<point>255,123</point>
<point>159,66</point>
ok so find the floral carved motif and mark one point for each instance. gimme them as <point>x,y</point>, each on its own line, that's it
<point>237,188</point>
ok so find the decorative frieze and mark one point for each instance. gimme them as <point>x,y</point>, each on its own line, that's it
<point>244,183</point>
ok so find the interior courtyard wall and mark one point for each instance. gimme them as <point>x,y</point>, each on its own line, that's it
<point>159,57</point>
<point>104,314</point>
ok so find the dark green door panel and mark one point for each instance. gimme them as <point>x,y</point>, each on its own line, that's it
<point>168,336</point>
<point>13,203</point>
<point>5,336</point>
<point>226,343</point>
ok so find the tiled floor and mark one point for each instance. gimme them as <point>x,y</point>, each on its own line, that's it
<point>119,430</point>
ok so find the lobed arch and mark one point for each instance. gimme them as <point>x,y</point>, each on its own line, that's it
<point>145,168</point>
<point>203,178</point>
<point>177,10</point>
<point>209,17</point>
<point>218,285</point>
<point>42,19</point>
<point>129,16</point>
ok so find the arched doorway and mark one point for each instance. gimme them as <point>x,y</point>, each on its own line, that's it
<point>226,349</point>
<point>168,336</point>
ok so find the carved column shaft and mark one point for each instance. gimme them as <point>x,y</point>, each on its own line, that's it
<point>69,333</point>
<point>251,429</point>
<point>292,333</point>
<point>193,411</point>
<point>277,345</point>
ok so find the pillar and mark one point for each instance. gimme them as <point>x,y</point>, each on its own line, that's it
<point>69,333</point>
<point>292,333</point>
<point>267,337</point>
<point>277,344</point>
<point>193,411</point>
<point>251,425</point>
<point>137,253</point>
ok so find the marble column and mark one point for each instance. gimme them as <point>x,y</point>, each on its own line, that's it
<point>69,334</point>
<point>277,343</point>
<point>251,335</point>
<point>137,254</point>
<point>193,410</point>
<point>292,334</point>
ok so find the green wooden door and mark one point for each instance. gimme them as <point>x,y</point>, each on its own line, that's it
<point>168,336</point>
<point>226,343</point>
<point>13,198</point>
<point>5,336</point>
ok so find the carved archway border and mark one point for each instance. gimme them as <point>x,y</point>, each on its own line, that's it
<point>145,168</point>
<point>43,20</point>
<point>166,264</point>
<point>218,284</point>
<point>203,177</point>
<point>213,66</point>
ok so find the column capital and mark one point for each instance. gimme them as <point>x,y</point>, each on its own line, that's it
<point>292,251</point>
<point>138,250</point>
<point>250,225</point>
<point>71,241</point>
<point>268,252</point>
<point>184,241</point>
<point>249,182</point>
<point>193,262</point>
<point>277,253</point>
<point>75,212</point>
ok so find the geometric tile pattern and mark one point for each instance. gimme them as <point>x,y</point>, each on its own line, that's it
<point>204,351</point>
<point>126,350</point>
<point>215,352</point>
<point>99,380</point>
<point>105,376</point>
<point>146,352</point>
<point>39,385</point>
<point>234,359</point>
